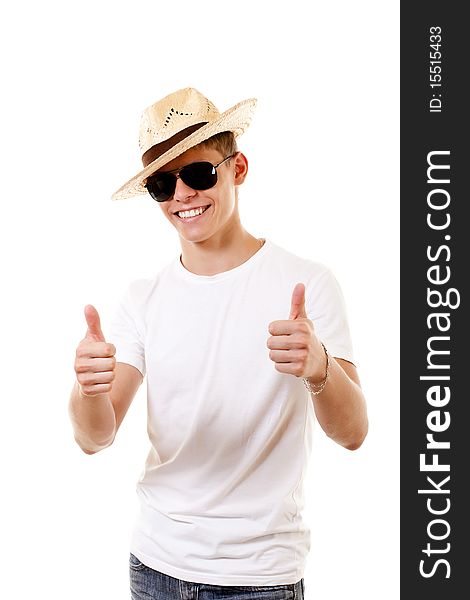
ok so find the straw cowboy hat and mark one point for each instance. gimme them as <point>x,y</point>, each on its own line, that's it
<point>176,123</point>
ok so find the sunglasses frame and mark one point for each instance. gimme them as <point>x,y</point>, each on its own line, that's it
<point>176,173</point>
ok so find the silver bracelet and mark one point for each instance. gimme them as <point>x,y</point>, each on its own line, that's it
<point>317,388</point>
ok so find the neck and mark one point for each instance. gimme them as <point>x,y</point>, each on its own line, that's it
<point>219,253</point>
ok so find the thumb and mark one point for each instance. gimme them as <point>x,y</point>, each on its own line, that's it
<point>297,307</point>
<point>94,326</point>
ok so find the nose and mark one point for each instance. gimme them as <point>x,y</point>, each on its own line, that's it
<point>183,193</point>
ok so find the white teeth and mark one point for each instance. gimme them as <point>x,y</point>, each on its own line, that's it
<point>184,214</point>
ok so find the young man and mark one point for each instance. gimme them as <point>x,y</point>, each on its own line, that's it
<point>242,343</point>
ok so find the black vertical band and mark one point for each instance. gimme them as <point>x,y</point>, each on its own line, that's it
<point>435,398</point>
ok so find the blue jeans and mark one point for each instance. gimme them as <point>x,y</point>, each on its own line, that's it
<point>148,584</point>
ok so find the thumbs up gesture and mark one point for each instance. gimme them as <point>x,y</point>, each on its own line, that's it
<point>294,347</point>
<point>94,361</point>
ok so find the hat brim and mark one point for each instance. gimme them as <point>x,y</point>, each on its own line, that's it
<point>235,119</point>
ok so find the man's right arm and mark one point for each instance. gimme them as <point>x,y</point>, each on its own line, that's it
<point>103,390</point>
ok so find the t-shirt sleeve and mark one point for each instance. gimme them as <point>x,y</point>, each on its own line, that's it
<point>327,309</point>
<point>127,330</point>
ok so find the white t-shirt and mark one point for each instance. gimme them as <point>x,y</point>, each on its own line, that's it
<point>221,495</point>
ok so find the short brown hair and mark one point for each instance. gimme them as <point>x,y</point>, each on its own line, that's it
<point>224,142</point>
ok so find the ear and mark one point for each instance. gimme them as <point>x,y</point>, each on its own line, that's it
<point>241,168</point>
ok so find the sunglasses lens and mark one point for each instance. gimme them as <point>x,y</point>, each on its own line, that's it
<point>161,186</point>
<point>199,176</point>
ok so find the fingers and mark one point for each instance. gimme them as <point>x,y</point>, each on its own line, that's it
<point>291,339</point>
<point>95,365</point>
<point>92,381</point>
<point>284,327</point>
<point>287,342</point>
<point>291,368</point>
<point>288,356</point>
<point>87,349</point>
<point>94,361</point>
<point>94,325</point>
<point>297,307</point>
<point>294,361</point>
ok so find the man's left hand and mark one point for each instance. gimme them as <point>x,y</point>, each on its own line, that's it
<point>294,347</point>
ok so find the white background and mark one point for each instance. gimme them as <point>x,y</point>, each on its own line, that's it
<point>323,183</point>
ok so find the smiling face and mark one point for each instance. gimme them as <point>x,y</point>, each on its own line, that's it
<point>203,215</point>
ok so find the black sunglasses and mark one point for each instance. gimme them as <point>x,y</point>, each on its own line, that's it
<point>198,176</point>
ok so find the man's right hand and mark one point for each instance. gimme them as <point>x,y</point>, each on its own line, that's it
<point>94,363</point>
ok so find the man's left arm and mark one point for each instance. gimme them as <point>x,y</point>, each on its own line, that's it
<point>338,401</point>
<point>341,407</point>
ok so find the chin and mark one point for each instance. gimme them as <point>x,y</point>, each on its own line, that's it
<point>195,239</point>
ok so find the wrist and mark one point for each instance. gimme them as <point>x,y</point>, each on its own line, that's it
<point>314,386</point>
